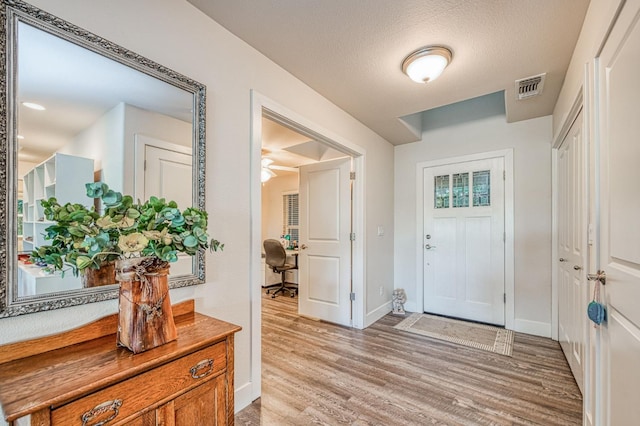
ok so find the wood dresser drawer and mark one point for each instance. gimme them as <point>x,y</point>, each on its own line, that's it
<point>129,398</point>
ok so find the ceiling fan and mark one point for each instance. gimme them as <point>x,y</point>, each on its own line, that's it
<point>267,167</point>
<point>265,172</point>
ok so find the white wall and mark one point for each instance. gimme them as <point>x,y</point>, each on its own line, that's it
<point>457,135</point>
<point>110,141</point>
<point>102,142</point>
<point>272,212</point>
<point>594,28</point>
<point>177,35</point>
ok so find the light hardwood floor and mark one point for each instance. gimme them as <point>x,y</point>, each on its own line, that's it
<point>318,373</point>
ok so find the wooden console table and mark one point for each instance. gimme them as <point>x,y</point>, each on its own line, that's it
<point>80,377</point>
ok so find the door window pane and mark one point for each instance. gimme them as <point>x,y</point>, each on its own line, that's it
<point>482,188</point>
<point>460,189</point>
<point>441,192</point>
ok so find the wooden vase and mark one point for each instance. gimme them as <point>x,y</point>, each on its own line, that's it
<point>106,275</point>
<point>145,318</point>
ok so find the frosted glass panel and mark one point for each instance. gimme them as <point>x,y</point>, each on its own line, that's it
<point>482,188</point>
<point>441,192</point>
<point>460,189</point>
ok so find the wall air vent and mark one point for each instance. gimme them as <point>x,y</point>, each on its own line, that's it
<point>530,86</point>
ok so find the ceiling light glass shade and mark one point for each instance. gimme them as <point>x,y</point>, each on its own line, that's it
<point>266,174</point>
<point>266,161</point>
<point>426,64</point>
<point>32,105</point>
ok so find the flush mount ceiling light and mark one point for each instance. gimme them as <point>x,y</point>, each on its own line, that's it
<point>426,64</point>
<point>34,106</point>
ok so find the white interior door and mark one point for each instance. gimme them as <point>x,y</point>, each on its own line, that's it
<point>464,240</point>
<point>325,244</point>
<point>572,287</point>
<point>167,173</point>
<point>619,205</point>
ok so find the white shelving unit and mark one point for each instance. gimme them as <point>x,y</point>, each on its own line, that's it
<point>62,176</point>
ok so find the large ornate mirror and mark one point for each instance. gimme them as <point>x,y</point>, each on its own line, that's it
<point>75,109</point>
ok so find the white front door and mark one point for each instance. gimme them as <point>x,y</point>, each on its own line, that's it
<point>325,243</point>
<point>167,173</point>
<point>619,205</point>
<point>572,288</point>
<point>463,241</point>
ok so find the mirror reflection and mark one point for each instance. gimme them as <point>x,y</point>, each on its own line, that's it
<point>84,117</point>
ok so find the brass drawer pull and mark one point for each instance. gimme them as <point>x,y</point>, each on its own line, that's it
<point>205,363</point>
<point>101,409</point>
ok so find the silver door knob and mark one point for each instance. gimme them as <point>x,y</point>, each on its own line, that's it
<point>598,276</point>
<point>303,247</point>
<point>577,268</point>
<point>562,259</point>
<point>429,246</point>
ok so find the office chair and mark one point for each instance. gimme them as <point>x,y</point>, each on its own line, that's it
<point>276,258</point>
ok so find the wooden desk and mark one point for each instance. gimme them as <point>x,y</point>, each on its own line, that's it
<point>294,253</point>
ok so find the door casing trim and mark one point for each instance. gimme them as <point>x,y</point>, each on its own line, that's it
<point>262,105</point>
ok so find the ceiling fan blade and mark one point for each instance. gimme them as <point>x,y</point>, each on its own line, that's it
<point>284,168</point>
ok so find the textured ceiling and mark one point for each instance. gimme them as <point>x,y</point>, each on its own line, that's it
<point>351,51</point>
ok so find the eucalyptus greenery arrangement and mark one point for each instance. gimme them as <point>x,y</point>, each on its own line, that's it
<point>82,238</point>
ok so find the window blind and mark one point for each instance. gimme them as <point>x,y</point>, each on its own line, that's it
<point>290,217</point>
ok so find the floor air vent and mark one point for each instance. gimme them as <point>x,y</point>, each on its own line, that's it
<point>530,86</point>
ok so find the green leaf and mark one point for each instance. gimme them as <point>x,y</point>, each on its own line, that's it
<point>76,231</point>
<point>82,262</point>
<point>190,241</point>
<point>96,189</point>
<point>112,197</point>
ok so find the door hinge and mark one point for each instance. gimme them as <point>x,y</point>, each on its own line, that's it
<point>504,237</point>
<point>352,296</point>
<point>352,236</point>
<point>145,165</point>
<point>504,297</point>
<point>352,175</point>
<point>504,175</point>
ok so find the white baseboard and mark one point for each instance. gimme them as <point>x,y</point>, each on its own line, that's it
<point>410,307</point>
<point>242,396</point>
<point>536,328</point>
<point>377,313</point>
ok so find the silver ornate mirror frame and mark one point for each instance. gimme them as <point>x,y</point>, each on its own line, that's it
<point>11,12</point>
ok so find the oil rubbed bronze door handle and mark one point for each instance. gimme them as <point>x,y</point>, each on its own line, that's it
<point>598,276</point>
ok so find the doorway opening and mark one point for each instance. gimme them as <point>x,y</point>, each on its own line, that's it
<point>326,148</point>
<point>301,206</point>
